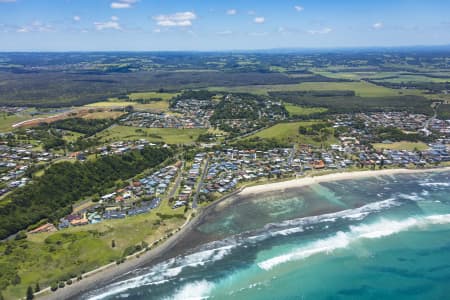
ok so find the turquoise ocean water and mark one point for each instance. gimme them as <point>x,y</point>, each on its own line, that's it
<point>377,238</point>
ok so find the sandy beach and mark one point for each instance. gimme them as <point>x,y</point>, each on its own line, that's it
<point>170,247</point>
<point>304,181</point>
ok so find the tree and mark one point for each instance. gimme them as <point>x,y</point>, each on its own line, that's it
<point>1,297</point>
<point>8,250</point>
<point>37,288</point>
<point>113,243</point>
<point>30,295</point>
<point>16,280</point>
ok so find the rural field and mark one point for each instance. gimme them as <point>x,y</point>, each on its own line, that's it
<point>154,105</point>
<point>103,115</point>
<point>361,88</point>
<point>166,135</point>
<point>7,121</point>
<point>289,132</point>
<point>299,111</point>
<point>152,95</point>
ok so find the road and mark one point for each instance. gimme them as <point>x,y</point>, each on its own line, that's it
<point>200,185</point>
<point>292,154</point>
<point>177,182</point>
<point>427,123</point>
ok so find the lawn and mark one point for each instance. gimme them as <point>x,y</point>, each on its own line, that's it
<point>47,257</point>
<point>288,132</point>
<point>410,146</point>
<point>296,110</point>
<point>166,135</point>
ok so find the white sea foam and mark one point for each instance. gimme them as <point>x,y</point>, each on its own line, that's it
<point>197,290</point>
<point>412,197</point>
<point>342,240</point>
<point>166,271</point>
<point>435,184</point>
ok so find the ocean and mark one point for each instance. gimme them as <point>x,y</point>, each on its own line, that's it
<point>385,237</point>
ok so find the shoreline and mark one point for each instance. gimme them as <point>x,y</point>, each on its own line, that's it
<point>105,274</point>
<point>352,175</point>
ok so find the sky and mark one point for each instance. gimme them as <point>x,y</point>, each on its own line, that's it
<point>204,25</point>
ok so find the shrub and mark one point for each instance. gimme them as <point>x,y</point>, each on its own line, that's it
<point>54,287</point>
<point>61,285</point>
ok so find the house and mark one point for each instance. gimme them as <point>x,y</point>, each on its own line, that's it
<point>48,227</point>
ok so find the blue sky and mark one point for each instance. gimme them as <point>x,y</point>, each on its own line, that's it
<point>60,25</point>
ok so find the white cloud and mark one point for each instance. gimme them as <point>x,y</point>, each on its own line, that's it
<point>231,12</point>
<point>299,8</point>
<point>119,5</point>
<point>378,25</point>
<point>259,20</point>
<point>36,26</point>
<point>77,18</point>
<point>123,4</point>
<point>325,30</point>
<point>113,24</point>
<point>180,19</point>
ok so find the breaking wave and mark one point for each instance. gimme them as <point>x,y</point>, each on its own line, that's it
<point>341,239</point>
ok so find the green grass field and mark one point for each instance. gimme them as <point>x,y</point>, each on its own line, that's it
<point>6,121</point>
<point>166,135</point>
<point>410,146</point>
<point>295,110</point>
<point>103,115</point>
<point>361,88</point>
<point>49,256</point>
<point>152,95</point>
<point>162,105</point>
<point>156,105</point>
<point>288,132</point>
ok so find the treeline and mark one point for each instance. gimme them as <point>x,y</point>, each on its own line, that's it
<point>85,126</point>
<point>432,87</point>
<point>413,104</point>
<point>51,195</point>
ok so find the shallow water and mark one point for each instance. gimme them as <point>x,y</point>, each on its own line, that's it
<point>384,237</point>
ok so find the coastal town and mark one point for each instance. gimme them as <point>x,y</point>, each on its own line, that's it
<point>218,169</point>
